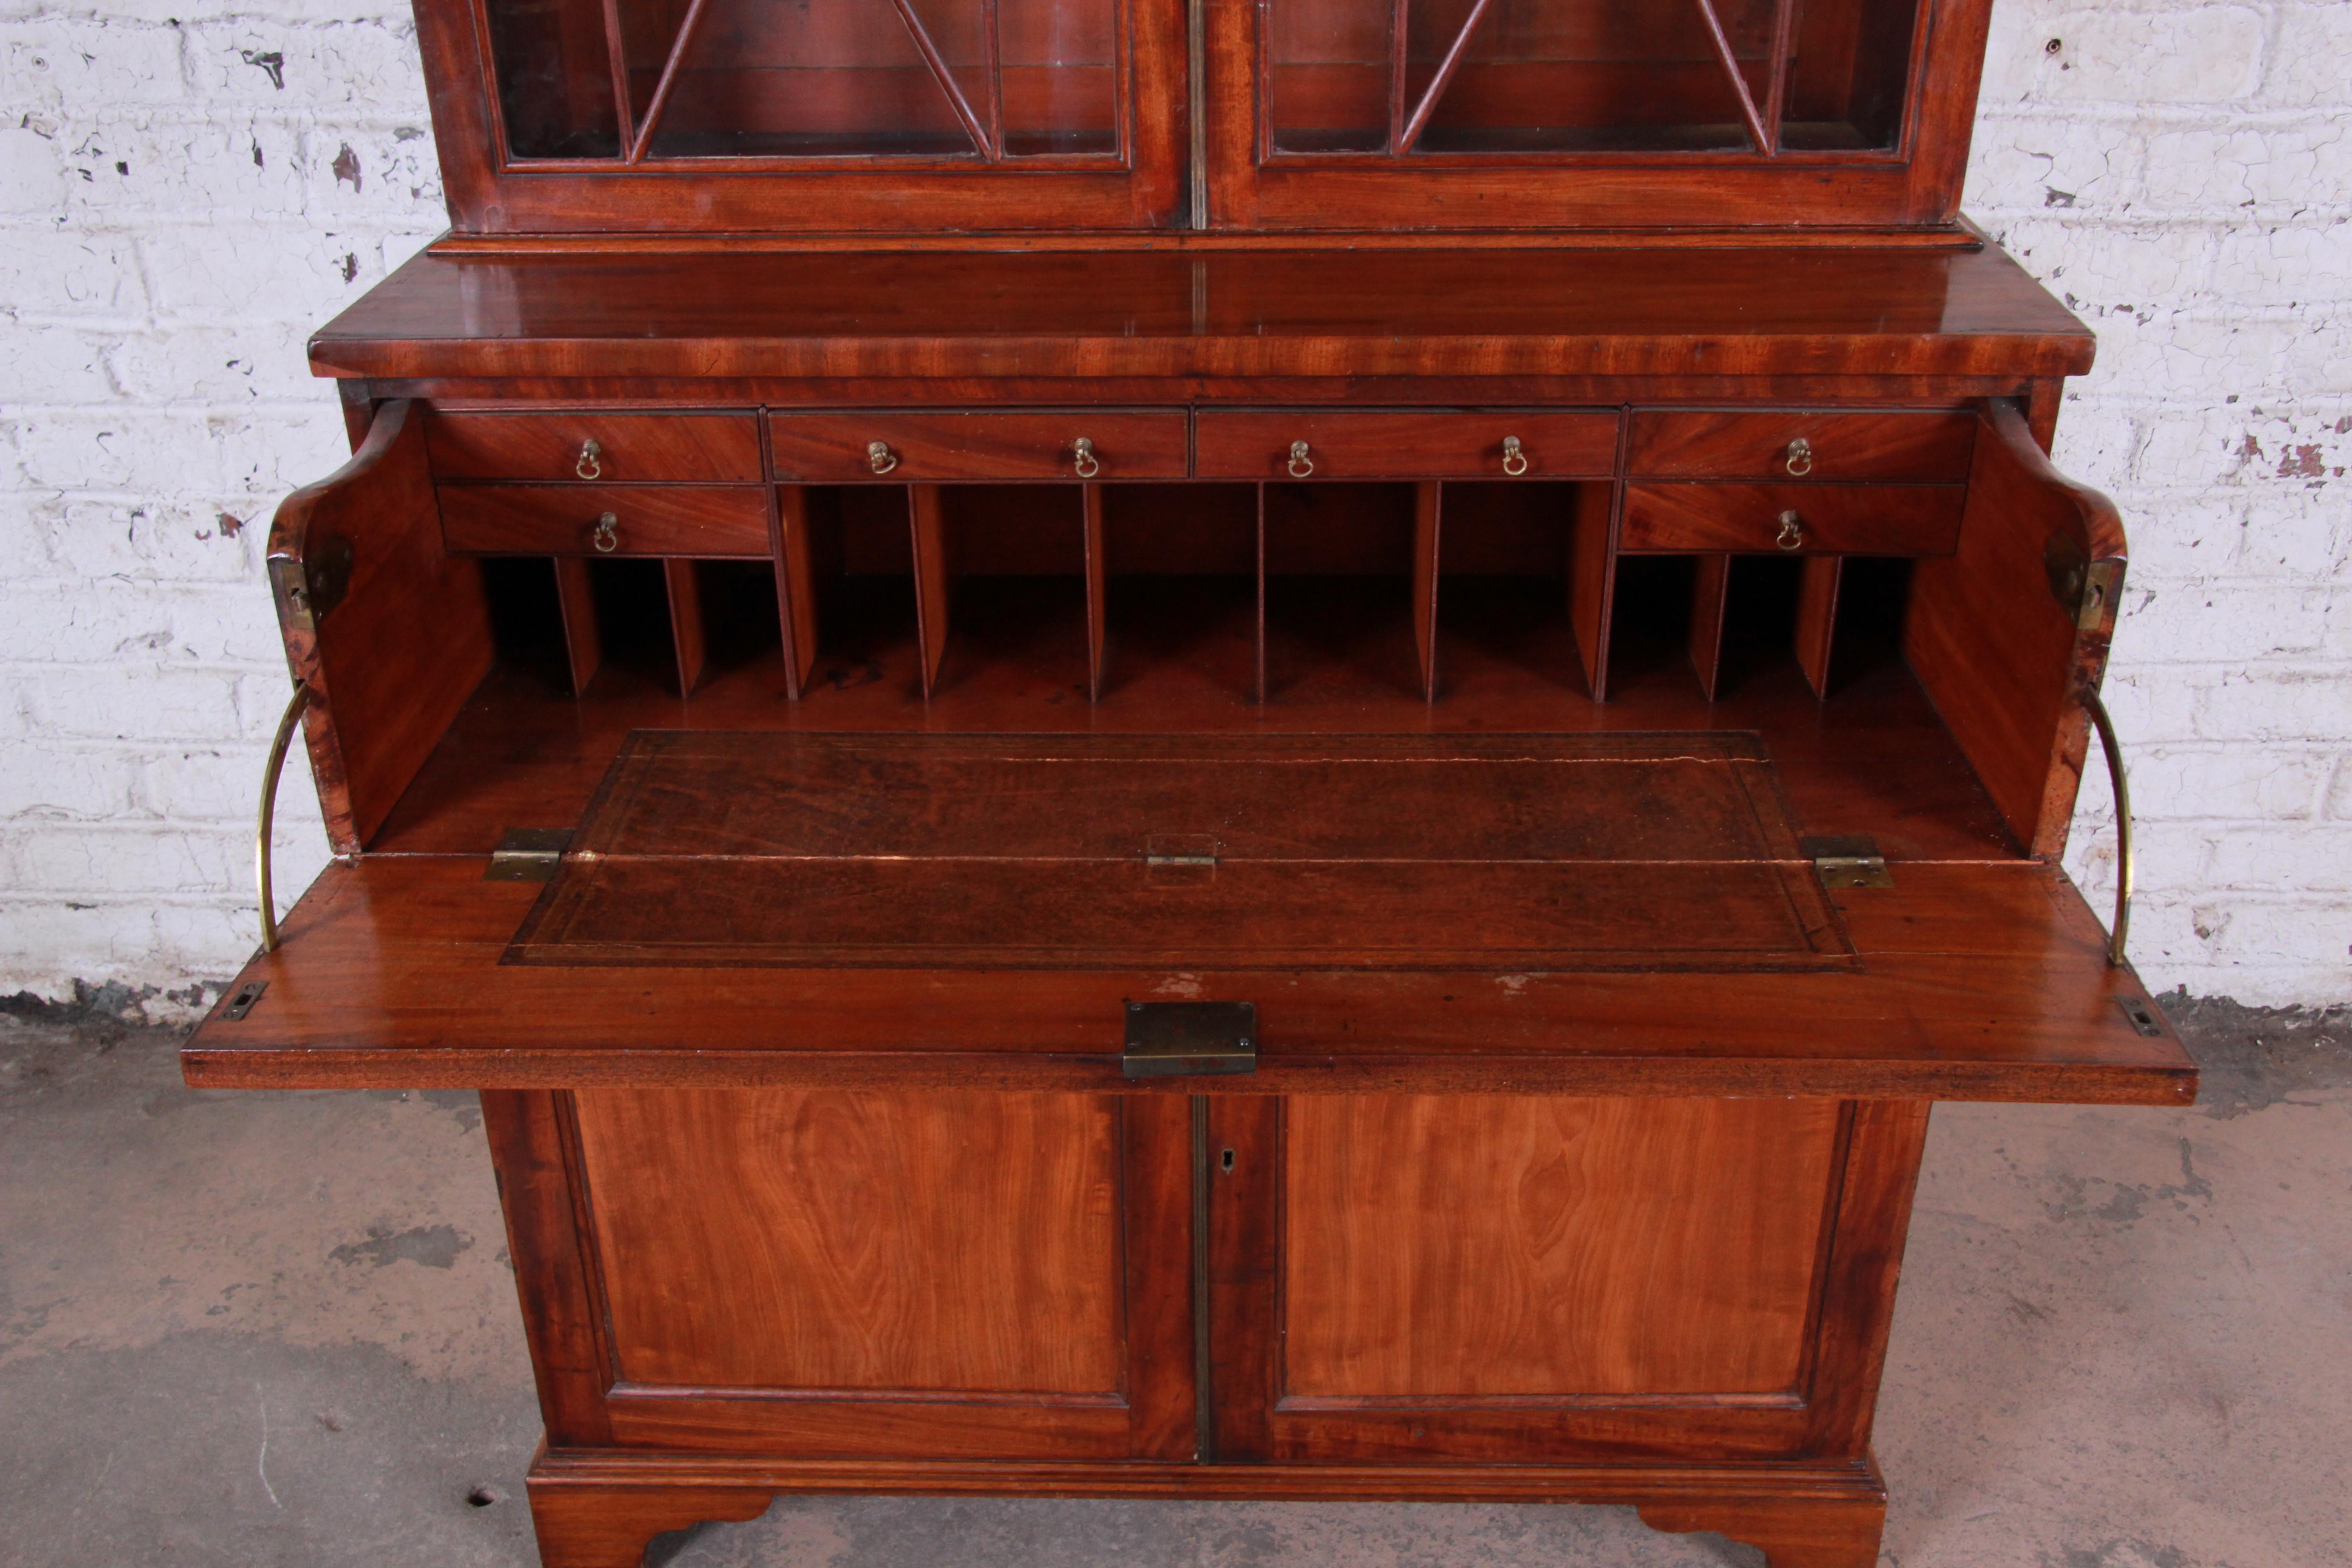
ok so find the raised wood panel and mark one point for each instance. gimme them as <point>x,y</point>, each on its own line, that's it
<point>1448,1250</point>
<point>781,1240</point>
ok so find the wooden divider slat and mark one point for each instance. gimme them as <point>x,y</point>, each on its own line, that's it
<point>1428,497</point>
<point>584,646</point>
<point>1260,633</point>
<point>683,584</point>
<point>795,587</point>
<point>1592,580</point>
<point>934,579</point>
<point>1097,587</point>
<point>1710,592</point>
<point>1817,597</point>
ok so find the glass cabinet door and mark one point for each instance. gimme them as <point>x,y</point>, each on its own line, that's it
<point>982,81</point>
<point>1426,78</point>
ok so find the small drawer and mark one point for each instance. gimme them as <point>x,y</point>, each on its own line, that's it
<point>1792,444</point>
<point>1796,520</point>
<point>564,520</point>
<point>616,448</point>
<point>1350,446</point>
<point>900,448</point>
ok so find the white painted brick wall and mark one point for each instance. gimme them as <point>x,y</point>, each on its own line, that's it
<point>172,225</point>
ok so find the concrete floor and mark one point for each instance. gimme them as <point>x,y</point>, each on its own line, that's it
<point>278,1329</point>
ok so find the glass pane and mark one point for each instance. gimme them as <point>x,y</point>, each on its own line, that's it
<point>809,78</point>
<point>555,79</point>
<point>1578,74</point>
<point>1061,75</point>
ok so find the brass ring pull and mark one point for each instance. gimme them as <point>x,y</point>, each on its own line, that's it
<point>880,456</point>
<point>608,536</point>
<point>1082,459</point>
<point>269,772</point>
<point>1300,464</point>
<point>1793,532</point>
<point>1800,457</point>
<point>591,464</point>
<point>2114,753</point>
<point>1511,454</point>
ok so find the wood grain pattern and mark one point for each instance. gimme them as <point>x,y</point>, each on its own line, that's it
<point>796,587</point>
<point>1994,649</point>
<point>1619,1248</point>
<point>632,448</point>
<point>934,580</point>
<point>583,640</point>
<point>567,1355</point>
<point>1753,444</point>
<point>1846,520</point>
<point>1414,445</point>
<point>390,976</point>
<point>688,636</point>
<point>1808,1534</point>
<point>1710,595</point>
<point>708,520</point>
<point>832,448</point>
<point>1817,603</point>
<point>1339,315</point>
<point>911,1243</point>
<point>1592,546</point>
<point>373,720</point>
<point>1090,525</point>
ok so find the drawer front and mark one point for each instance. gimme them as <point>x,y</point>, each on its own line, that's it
<point>1829,519</point>
<point>1259,446</point>
<point>840,448</point>
<point>616,448</point>
<point>1792,444</point>
<point>562,520</point>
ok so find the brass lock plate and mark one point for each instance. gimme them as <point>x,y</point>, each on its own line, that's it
<point>1173,1039</point>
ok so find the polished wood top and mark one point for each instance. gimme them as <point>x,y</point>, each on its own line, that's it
<point>1335,311</point>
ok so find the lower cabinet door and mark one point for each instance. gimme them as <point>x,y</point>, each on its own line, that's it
<point>883,1275</point>
<point>1482,1280</point>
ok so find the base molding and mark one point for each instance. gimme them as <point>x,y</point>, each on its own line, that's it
<point>601,1507</point>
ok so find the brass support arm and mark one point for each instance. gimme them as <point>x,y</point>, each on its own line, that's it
<point>270,770</point>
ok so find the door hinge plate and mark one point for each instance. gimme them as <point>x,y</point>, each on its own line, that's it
<point>1846,860</point>
<point>2085,587</point>
<point>1169,1039</point>
<point>528,855</point>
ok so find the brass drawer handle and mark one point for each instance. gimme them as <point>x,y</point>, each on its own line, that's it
<point>591,464</point>
<point>1082,459</point>
<point>1793,532</point>
<point>1800,457</point>
<point>607,536</point>
<point>880,456</point>
<point>1300,464</point>
<point>1512,453</point>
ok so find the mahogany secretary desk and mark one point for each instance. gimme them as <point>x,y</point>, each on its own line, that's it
<point>1259,751</point>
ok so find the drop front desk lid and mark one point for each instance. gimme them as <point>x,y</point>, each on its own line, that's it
<point>1609,913</point>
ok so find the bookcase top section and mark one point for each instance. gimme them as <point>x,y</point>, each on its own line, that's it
<point>1322,313</point>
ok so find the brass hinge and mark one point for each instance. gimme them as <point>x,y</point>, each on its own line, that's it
<point>528,855</point>
<point>310,587</point>
<point>2085,587</point>
<point>1846,860</point>
<point>1166,1039</point>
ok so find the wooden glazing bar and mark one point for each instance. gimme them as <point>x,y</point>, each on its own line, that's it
<point>1445,77</point>
<point>1817,597</point>
<point>1097,586</point>
<point>1748,114</point>
<point>1400,43</point>
<point>924,46</point>
<point>616,54</point>
<point>683,586</point>
<point>1776,100</point>
<point>934,579</point>
<point>584,646</point>
<point>1709,584</point>
<point>796,587</point>
<point>1427,498</point>
<point>659,105</point>
<point>991,62</point>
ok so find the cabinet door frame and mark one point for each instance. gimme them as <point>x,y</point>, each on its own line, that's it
<point>585,1402</point>
<point>1827,1417</point>
<point>1251,186</point>
<point>1143,186</point>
